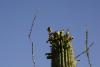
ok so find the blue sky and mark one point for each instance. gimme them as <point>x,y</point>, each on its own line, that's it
<point>15,20</point>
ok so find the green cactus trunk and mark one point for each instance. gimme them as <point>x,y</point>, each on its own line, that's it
<point>62,56</point>
<point>61,50</point>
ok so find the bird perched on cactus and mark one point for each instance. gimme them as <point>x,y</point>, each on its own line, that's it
<point>49,30</point>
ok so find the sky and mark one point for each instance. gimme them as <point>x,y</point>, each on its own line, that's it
<point>16,17</point>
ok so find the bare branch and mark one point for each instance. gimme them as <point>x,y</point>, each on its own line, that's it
<point>32,27</point>
<point>84,51</point>
<point>29,37</point>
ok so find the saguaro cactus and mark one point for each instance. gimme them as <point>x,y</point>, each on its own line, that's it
<point>61,49</point>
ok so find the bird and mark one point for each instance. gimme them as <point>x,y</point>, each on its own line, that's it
<point>49,30</point>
